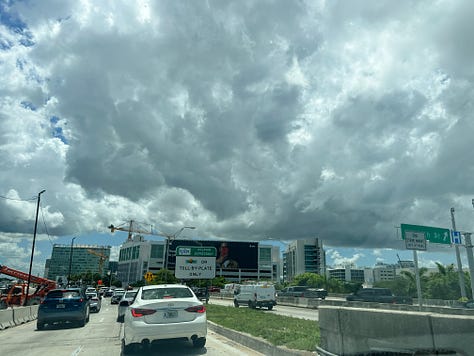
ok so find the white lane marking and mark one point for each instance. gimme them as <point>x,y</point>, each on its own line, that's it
<point>77,351</point>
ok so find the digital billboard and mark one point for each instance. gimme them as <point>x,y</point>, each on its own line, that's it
<point>231,255</point>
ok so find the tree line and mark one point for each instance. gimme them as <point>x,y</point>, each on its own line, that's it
<point>442,284</point>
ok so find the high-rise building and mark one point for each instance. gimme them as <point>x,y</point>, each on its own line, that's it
<point>77,259</point>
<point>303,256</point>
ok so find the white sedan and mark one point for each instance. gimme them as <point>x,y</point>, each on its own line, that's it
<point>165,311</point>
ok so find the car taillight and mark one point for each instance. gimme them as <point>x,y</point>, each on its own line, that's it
<point>81,300</point>
<point>136,312</point>
<point>196,309</point>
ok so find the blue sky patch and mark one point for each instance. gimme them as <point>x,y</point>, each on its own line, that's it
<point>14,23</point>
<point>57,131</point>
<point>28,105</point>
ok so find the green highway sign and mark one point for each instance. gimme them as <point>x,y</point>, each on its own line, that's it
<point>432,234</point>
<point>196,251</point>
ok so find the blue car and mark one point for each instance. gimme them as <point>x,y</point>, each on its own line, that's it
<point>64,305</point>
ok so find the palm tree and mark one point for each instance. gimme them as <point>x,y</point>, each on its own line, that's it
<point>411,280</point>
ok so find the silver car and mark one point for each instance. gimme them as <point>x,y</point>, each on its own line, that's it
<point>95,301</point>
<point>126,300</point>
<point>118,294</point>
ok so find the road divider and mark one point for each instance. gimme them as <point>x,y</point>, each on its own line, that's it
<point>347,330</point>
<point>6,318</point>
<point>17,315</point>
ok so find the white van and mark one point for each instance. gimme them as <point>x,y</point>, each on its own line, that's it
<point>255,295</point>
<point>228,290</point>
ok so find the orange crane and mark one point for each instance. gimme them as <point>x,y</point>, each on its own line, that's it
<point>17,293</point>
<point>102,258</point>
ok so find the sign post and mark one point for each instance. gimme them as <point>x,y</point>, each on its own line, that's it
<point>415,237</point>
<point>195,262</point>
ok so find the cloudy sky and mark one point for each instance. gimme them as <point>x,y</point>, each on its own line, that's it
<point>250,120</point>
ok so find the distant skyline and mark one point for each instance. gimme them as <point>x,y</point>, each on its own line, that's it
<point>335,256</point>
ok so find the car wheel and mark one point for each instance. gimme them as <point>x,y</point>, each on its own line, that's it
<point>127,349</point>
<point>39,325</point>
<point>270,307</point>
<point>82,322</point>
<point>251,305</point>
<point>199,343</point>
<point>87,315</point>
<point>236,304</point>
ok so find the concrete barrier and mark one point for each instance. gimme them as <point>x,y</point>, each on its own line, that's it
<point>21,315</point>
<point>34,312</point>
<point>6,318</point>
<point>346,331</point>
<point>314,303</point>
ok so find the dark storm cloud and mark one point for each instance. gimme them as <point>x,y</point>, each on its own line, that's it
<point>255,119</point>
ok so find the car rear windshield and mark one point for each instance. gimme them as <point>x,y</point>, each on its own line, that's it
<point>63,294</point>
<point>166,293</point>
<point>130,294</point>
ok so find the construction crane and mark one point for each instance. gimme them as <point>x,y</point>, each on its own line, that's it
<point>168,237</point>
<point>131,229</point>
<point>102,258</point>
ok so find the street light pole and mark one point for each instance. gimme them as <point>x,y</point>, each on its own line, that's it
<point>33,247</point>
<point>70,260</point>
<point>173,236</point>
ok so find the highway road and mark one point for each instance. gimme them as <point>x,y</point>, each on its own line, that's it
<point>301,313</point>
<point>101,336</point>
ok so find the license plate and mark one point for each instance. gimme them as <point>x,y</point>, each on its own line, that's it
<point>170,314</point>
<point>59,306</point>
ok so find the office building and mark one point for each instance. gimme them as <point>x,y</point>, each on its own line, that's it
<point>137,257</point>
<point>73,260</point>
<point>384,272</point>
<point>348,274</point>
<point>303,256</point>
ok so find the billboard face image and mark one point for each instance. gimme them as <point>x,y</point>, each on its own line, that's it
<point>230,254</point>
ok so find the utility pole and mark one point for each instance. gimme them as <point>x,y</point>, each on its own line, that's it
<point>458,259</point>
<point>33,247</point>
<point>70,260</point>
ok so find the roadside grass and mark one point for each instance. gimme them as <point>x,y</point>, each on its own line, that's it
<point>294,333</point>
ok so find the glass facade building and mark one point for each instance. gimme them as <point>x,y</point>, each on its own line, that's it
<point>81,259</point>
